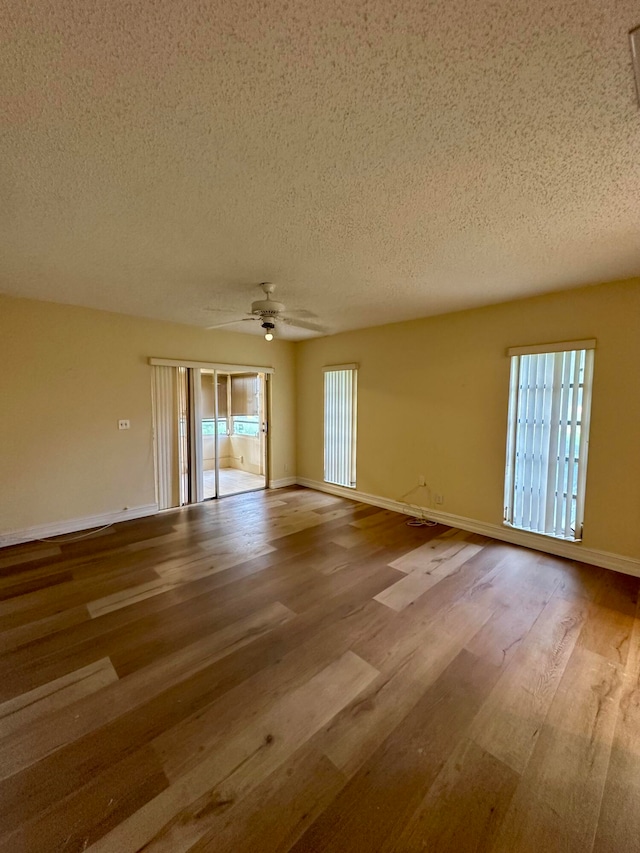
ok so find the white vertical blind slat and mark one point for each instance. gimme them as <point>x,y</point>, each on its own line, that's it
<point>520,432</point>
<point>528,442</point>
<point>558,526</point>
<point>510,456</point>
<point>536,449</point>
<point>573,446</point>
<point>583,446</point>
<point>546,439</point>
<point>552,458</point>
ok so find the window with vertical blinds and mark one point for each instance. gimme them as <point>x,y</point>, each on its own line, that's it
<point>549,408</point>
<point>340,398</point>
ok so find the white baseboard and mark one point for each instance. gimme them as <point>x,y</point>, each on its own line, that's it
<point>73,525</point>
<point>559,547</point>
<point>570,550</point>
<point>282,483</point>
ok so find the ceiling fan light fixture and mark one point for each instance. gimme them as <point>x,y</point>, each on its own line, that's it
<point>268,328</point>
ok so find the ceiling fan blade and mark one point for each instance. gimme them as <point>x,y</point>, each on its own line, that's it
<point>301,312</point>
<point>302,324</point>
<point>232,323</point>
<point>224,310</point>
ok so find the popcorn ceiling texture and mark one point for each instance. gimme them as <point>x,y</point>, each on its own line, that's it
<point>378,160</point>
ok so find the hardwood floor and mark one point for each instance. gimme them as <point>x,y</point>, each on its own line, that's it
<point>288,670</point>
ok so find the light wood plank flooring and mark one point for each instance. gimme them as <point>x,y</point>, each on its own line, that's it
<point>232,481</point>
<point>288,670</point>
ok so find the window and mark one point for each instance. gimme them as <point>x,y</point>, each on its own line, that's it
<point>208,426</point>
<point>548,435</point>
<point>246,425</point>
<point>340,397</point>
<point>244,400</point>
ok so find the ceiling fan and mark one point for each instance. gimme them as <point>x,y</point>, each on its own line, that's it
<point>268,312</point>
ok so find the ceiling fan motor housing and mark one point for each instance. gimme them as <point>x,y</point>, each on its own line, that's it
<point>267,308</point>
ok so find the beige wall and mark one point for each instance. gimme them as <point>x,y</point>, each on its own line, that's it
<point>433,401</point>
<point>68,374</point>
<point>242,452</point>
<point>246,453</point>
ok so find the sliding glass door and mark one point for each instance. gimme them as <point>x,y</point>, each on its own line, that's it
<point>210,428</point>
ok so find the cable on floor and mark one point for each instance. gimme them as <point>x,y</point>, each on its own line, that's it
<point>421,522</point>
<point>57,540</point>
<point>416,521</point>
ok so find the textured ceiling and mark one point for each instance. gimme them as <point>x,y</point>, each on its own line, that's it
<point>378,160</point>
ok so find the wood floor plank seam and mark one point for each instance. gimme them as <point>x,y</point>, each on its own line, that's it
<point>28,707</point>
<point>409,588</point>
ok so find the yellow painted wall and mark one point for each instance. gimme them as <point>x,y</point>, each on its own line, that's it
<point>433,400</point>
<point>68,374</point>
<point>246,453</point>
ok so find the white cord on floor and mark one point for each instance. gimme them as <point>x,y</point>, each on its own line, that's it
<point>421,522</point>
<point>56,539</point>
<point>416,521</point>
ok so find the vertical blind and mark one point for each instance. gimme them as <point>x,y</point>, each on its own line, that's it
<point>166,443</point>
<point>549,407</point>
<point>340,396</point>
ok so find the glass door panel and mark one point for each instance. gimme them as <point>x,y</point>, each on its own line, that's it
<point>243,456</point>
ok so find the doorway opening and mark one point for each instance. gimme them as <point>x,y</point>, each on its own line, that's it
<point>210,431</point>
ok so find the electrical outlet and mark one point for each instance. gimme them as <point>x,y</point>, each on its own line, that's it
<point>124,424</point>
<point>422,480</point>
<point>286,468</point>
<point>439,499</point>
